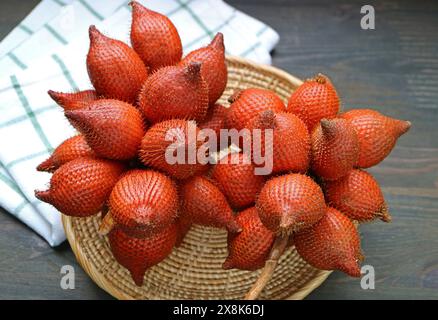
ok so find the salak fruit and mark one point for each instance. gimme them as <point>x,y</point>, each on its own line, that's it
<point>335,148</point>
<point>249,249</point>
<point>138,255</point>
<point>290,203</point>
<point>377,134</point>
<point>74,100</point>
<point>155,146</point>
<point>315,99</point>
<point>290,143</point>
<point>154,38</point>
<point>246,104</point>
<point>72,148</point>
<point>205,204</point>
<point>235,177</point>
<point>81,187</point>
<point>176,92</point>
<point>331,244</point>
<point>357,195</point>
<point>133,123</point>
<point>115,70</point>
<point>214,69</point>
<point>112,128</point>
<point>144,202</point>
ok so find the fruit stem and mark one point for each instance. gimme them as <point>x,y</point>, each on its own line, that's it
<point>320,78</point>
<point>193,71</point>
<point>106,225</point>
<point>235,95</point>
<point>269,268</point>
<point>384,214</point>
<point>267,119</point>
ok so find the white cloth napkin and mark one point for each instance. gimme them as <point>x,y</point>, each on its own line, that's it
<point>31,125</point>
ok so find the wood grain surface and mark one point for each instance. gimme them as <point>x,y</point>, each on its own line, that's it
<point>393,68</point>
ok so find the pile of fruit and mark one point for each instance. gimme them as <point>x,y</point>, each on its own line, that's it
<point>117,164</point>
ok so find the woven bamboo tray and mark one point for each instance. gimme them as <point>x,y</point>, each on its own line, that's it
<point>193,271</point>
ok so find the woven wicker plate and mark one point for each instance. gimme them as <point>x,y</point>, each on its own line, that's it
<point>193,271</point>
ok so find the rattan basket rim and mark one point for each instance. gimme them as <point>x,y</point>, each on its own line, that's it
<point>103,283</point>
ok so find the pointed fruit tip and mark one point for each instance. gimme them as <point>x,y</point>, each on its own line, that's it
<point>403,126</point>
<point>46,166</point>
<point>327,125</point>
<point>138,278</point>
<point>43,195</point>
<point>218,42</point>
<point>56,96</point>
<point>351,267</point>
<point>384,214</point>
<point>94,33</point>
<point>137,7</point>
<point>52,94</point>
<point>227,265</point>
<point>267,119</point>
<point>235,96</point>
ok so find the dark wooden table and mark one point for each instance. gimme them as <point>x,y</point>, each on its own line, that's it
<point>393,68</point>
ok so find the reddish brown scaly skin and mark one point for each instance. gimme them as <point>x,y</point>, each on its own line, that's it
<point>315,99</point>
<point>331,244</point>
<point>154,38</point>
<point>377,134</point>
<point>235,177</point>
<point>205,205</point>
<point>358,196</point>
<point>290,203</point>
<point>144,202</point>
<point>335,148</point>
<point>215,119</point>
<point>249,249</point>
<point>291,140</point>
<point>81,187</point>
<point>154,145</point>
<point>138,255</point>
<point>248,103</point>
<point>74,100</point>
<point>177,92</point>
<point>112,128</point>
<point>72,148</point>
<point>115,70</point>
<point>214,69</point>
